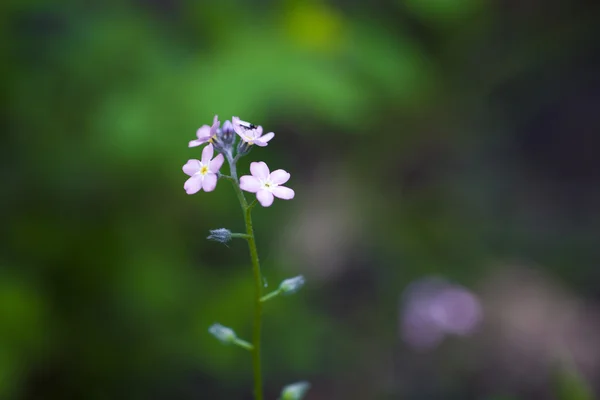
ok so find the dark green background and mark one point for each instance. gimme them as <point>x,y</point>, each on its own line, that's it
<point>424,137</point>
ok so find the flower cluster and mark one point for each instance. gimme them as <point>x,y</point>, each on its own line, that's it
<point>232,141</point>
<point>204,173</point>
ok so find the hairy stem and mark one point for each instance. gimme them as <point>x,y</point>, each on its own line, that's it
<point>256,330</point>
<point>269,296</point>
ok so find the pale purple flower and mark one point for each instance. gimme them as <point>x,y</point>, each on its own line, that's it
<point>205,133</point>
<point>250,133</point>
<point>266,184</point>
<point>203,173</point>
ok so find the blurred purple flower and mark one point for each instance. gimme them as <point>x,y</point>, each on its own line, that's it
<point>434,308</point>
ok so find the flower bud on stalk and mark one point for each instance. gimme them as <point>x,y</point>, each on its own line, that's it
<point>295,391</point>
<point>220,235</point>
<point>292,285</point>
<point>225,137</point>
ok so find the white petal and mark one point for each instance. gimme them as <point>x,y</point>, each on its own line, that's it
<point>249,184</point>
<point>267,137</point>
<point>239,126</point>
<point>193,185</point>
<point>283,192</point>
<point>279,177</point>
<point>265,198</point>
<point>207,154</point>
<point>216,123</point>
<point>198,142</point>
<point>203,133</point>
<point>191,167</point>
<point>259,170</point>
<point>216,163</point>
<point>210,182</point>
<point>242,134</point>
<point>259,143</point>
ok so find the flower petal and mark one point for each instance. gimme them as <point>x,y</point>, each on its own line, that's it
<point>259,170</point>
<point>216,163</point>
<point>249,184</point>
<point>265,138</point>
<point>203,132</point>
<point>198,142</point>
<point>279,177</point>
<point>265,198</point>
<point>215,124</point>
<point>193,184</point>
<point>283,192</point>
<point>191,167</point>
<point>239,126</point>
<point>207,154</point>
<point>210,182</point>
<point>244,136</point>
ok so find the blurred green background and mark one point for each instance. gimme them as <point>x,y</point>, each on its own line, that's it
<point>454,138</point>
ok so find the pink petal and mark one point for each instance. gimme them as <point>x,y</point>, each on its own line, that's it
<point>237,125</point>
<point>207,154</point>
<point>193,185</point>
<point>283,192</point>
<point>198,142</point>
<point>263,140</point>
<point>249,184</point>
<point>265,198</point>
<point>279,177</point>
<point>267,137</point>
<point>210,182</point>
<point>244,136</point>
<point>216,122</point>
<point>191,167</point>
<point>203,132</point>
<point>216,163</point>
<point>259,170</point>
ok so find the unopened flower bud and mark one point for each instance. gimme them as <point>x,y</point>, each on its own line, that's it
<point>292,285</point>
<point>225,137</point>
<point>295,391</point>
<point>220,235</point>
<point>222,333</point>
<point>243,148</point>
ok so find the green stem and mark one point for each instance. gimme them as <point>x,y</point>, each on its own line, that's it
<point>240,236</point>
<point>270,295</point>
<point>243,344</point>
<point>258,392</point>
<point>256,330</point>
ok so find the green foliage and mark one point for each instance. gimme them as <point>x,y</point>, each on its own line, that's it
<point>107,284</point>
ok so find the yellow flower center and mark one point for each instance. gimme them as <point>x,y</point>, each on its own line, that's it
<point>204,170</point>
